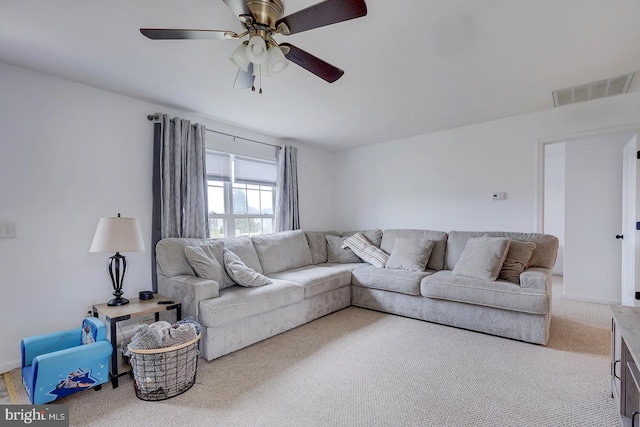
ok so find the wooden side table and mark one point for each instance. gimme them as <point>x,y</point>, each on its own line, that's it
<point>135,308</point>
<point>625,360</point>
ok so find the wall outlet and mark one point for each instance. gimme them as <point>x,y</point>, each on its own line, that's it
<point>498,196</point>
<point>7,230</point>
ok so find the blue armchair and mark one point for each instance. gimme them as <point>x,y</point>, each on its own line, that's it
<point>61,363</point>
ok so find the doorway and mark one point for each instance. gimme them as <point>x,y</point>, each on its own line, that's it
<point>583,207</point>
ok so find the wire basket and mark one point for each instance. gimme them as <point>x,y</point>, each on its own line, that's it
<point>163,373</point>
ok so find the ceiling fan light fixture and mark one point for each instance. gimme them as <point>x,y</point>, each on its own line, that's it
<point>239,57</point>
<point>261,70</point>
<point>256,50</point>
<point>277,59</point>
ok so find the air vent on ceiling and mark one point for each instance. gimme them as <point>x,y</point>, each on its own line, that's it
<point>585,92</point>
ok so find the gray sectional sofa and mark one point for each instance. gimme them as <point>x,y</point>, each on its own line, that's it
<point>311,275</point>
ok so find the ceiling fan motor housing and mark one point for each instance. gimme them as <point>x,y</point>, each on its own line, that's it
<point>266,12</point>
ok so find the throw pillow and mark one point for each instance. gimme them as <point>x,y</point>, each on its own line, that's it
<point>204,263</point>
<point>240,273</point>
<point>335,252</point>
<point>516,261</point>
<point>410,254</point>
<point>482,258</point>
<point>365,250</point>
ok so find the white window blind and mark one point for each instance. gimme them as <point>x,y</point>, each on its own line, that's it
<point>218,167</point>
<point>254,172</point>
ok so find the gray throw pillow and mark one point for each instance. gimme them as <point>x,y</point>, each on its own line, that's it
<point>516,261</point>
<point>336,254</point>
<point>482,258</point>
<point>205,264</point>
<point>240,273</point>
<point>365,250</point>
<point>410,254</point>
<point>318,245</point>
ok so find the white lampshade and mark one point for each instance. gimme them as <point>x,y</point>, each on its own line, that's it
<point>239,57</point>
<point>277,60</point>
<point>261,70</point>
<point>256,50</point>
<point>117,235</point>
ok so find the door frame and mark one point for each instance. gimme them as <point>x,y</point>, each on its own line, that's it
<point>542,141</point>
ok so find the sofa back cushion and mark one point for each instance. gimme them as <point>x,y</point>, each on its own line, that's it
<point>282,251</point>
<point>336,254</point>
<point>204,262</point>
<point>206,256</point>
<point>318,244</point>
<point>436,260</point>
<point>373,236</point>
<point>544,255</point>
<point>171,260</point>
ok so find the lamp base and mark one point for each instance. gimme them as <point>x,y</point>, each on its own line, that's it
<point>118,302</point>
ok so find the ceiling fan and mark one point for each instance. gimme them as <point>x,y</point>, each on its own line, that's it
<point>262,20</point>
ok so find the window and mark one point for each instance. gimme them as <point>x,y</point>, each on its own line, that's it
<point>241,193</point>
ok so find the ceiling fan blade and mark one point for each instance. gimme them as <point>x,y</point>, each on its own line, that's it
<point>182,34</point>
<point>311,63</point>
<point>326,13</point>
<point>239,8</point>
<point>244,79</point>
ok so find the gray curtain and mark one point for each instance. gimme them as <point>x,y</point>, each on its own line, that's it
<point>179,181</point>
<point>287,213</point>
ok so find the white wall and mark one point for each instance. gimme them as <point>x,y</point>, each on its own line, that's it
<point>443,180</point>
<point>593,216</point>
<point>554,171</point>
<point>70,154</point>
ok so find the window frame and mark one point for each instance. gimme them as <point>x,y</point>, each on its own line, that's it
<point>229,217</point>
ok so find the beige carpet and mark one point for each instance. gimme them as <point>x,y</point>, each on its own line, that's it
<point>362,368</point>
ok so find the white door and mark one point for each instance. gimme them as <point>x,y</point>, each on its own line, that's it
<point>630,217</point>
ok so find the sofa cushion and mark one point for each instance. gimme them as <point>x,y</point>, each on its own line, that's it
<point>516,261</point>
<point>444,285</point>
<point>237,303</point>
<point>482,258</point>
<point>410,254</point>
<point>336,253</point>
<point>348,266</point>
<point>365,250</point>
<point>282,251</point>
<point>316,280</point>
<point>241,246</point>
<point>544,255</point>
<point>436,260</point>
<point>387,279</point>
<point>240,273</point>
<point>318,244</point>
<point>170,257</point>
<point>205,264</point>
<point>374,236</point>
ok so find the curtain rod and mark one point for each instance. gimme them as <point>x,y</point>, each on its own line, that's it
<point>155,117</point>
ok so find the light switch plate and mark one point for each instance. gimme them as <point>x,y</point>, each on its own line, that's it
<point>7,230</point>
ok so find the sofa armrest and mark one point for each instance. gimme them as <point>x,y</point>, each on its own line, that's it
<point>189,290</point>
<point>536,278</point>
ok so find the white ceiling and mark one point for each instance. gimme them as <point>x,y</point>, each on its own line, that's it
<point>411,67</point>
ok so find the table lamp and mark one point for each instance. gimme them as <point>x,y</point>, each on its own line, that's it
<point>117,235</point>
